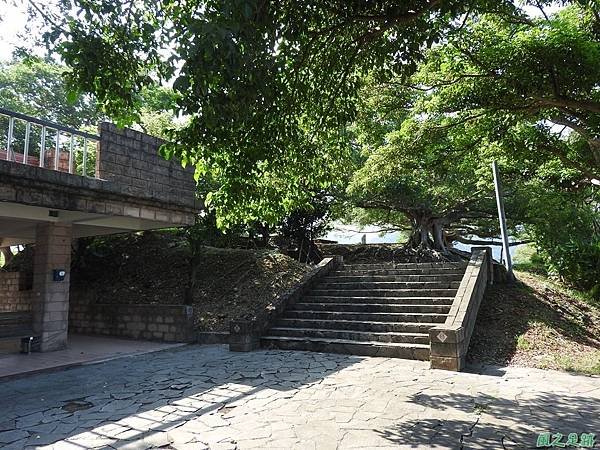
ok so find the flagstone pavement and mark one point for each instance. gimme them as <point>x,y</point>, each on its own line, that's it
<point>198,397</point>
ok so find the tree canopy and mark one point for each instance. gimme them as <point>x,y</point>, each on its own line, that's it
<point>439,181</point>
<point>495,90</point>
<point>543,72</point>
<point>36,86</point>
<point>277,99</point>
<point>268,87</point>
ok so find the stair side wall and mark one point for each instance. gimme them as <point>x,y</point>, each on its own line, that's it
<point>244,335</point>
<point>450,341</point>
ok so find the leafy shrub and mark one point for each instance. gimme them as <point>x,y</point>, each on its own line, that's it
<point>577,261</point>
<point>568,240</point>
<point>564,226</point>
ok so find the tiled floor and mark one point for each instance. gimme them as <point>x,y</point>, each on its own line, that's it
<point>81,350</point>
<point>205,397</point>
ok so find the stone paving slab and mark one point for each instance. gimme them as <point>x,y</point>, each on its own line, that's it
<point>204,397</point>
<point>80,350</point>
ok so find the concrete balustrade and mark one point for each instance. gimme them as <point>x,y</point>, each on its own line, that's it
<point>450,340</point>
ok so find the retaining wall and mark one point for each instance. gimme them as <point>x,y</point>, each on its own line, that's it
<point>13,294</point>
<point>165,323</point>
<point>450,340</point>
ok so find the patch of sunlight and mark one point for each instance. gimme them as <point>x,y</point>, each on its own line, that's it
<point>166,422</point>
<point>549,283</point>
<point>588,362</point>
<point>523,343</point>
<point>541,328</point>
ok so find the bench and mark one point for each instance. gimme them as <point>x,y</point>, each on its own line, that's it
<point>18,325</point>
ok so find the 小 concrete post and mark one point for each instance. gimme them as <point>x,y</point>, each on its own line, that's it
<point>50,302</point>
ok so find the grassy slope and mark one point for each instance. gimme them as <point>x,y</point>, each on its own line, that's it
<point>538,323</point>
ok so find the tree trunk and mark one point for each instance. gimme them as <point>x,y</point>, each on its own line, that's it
<point>439,243</point>
<point>421,232</point>
<point>265,235</point>
<point>428,233</point>
<point>197,250</point>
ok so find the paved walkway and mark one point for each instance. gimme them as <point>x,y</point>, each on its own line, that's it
<point>80,350</point>
<point>205,397</point>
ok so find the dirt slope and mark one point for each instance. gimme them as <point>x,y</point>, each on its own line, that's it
<point>537,323</point>
<point>375,253</point>
<point>154,268</point>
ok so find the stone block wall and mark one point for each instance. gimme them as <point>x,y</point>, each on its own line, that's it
<point>13,294</point>
<point>131,159</point>
<point>50,297</point>
<point>165,323</point>
<point>51,189</point>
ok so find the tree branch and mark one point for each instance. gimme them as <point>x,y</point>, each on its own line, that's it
<point>482,242</point>
<point>46,16</point>
<point>439,84</point>
<point>541,8</point>
<point>382,230</point>
<point>586,105</point>
<point>459,122</point>
<point>568,162</point>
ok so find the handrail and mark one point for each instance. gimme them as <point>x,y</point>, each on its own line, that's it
<point>48,124</point>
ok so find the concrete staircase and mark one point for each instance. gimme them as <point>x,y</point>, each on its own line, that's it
<point>371,310</point>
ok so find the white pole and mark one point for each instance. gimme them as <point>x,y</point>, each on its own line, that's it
<point>71,154</point>
<point>11,128</point>
<point>26,145</point>
<point>502,219</point>
<point>43,146</point>
<point>85,145</point>
<point>57,152</point>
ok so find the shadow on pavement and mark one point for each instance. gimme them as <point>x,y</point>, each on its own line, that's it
<point>128,402</point>
<point>486,422</point>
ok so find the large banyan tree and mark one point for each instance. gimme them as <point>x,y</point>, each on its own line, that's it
<point>435,179</point>
<point>524,92</point>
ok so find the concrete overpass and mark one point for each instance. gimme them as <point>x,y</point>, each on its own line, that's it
<point>58,184</point>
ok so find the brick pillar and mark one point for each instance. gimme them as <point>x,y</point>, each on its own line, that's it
<point>50,302</point>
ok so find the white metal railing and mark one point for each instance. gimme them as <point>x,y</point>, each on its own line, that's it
<point>74,151</point>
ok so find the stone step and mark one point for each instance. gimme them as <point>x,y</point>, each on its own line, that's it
<point>371,307</point>
<point>390,285</point>
<point>412,338</point>
<point>380,300</point>
<point>366,316</point>
<point>390,271</point>
<point>391,265</point>
<point>381,309</point>
<point>383,292</point>
<point>366,348</point>
<point>396,278</point>
<point>357,325</point>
